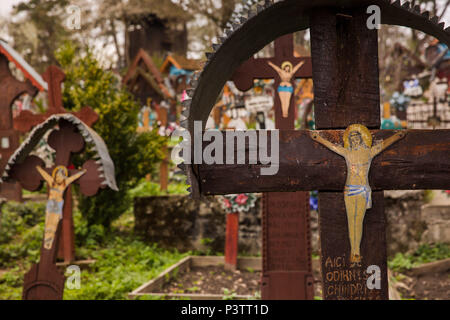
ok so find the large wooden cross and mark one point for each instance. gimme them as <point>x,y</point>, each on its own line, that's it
<point>285,218</point>
<point>346,91</point>
<point>11,89</point>
<point>26,120</point>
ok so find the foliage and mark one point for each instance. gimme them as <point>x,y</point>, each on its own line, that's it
<point>123,261</point>
<point>424,254</point>
<point>134,155</point>
<point>25,220</point>
<point>148,189</point>
<point>122,266</point>
<point>37,28</point>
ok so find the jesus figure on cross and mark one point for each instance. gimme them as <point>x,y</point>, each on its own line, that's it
<point>57,183</point>
<point>358,153</point>
<point>286,90</point>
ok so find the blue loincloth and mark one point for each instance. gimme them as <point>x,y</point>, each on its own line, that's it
<point>286,89</point>
<point>355,190</point>
<point>54,206</point>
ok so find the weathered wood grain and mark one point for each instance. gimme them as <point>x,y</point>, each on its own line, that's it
<point>419,161</point>
<point>350,95</point>
<point>340,281</point>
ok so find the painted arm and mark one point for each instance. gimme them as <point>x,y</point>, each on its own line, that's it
<point>298,66</point>
<point>71,179</point>
<point>277,69</point>
<point>333,147</point>
<point>45,175</point>
<point>387,142</point>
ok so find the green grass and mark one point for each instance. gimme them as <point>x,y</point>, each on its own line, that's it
<point>123,261</point>
<point>424,254</point>
<point>148,189</point>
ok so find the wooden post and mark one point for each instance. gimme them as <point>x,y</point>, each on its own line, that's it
<point>287,268</point>
<point>44,281</point>
<point>66,248</point>
<point>346,91</point>
<point>11,89</point>
<point>164,170</point>
<point>231,241</point>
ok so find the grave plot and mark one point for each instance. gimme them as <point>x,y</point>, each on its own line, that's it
<point>204,278</point>
<point>346,93</point>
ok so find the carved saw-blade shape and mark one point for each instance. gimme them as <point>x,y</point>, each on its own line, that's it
<point>253,21</point>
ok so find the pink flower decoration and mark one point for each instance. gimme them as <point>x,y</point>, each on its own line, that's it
<point>448,192</point>
<point>184,96</point>
<point>227,203</point>
<point>241,199</point>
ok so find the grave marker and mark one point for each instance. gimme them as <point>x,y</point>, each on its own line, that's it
<point>27,120</point>
<point>285,218</point>
<point>345,73</point>
<point>44,281</point>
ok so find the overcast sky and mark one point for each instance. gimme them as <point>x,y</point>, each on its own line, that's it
<point>6,6</point>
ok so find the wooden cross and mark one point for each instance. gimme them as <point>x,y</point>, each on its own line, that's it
<point>260,69</point>
<point>44,281</point>
<point>26,120</point>
<point>285,219</point>
<point>66,141</point>
<point>346,92</point>
<point>11,89</point>
<point>54,76</point>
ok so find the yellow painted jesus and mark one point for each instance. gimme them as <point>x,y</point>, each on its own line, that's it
<point>358,153</point>
<point>57,184</point>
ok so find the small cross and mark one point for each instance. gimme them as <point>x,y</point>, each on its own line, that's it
<point>54,76</point>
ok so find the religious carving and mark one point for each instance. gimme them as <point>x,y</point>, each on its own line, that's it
<point>57,185</point>
<point>358,153</point>
<point>285,89</point>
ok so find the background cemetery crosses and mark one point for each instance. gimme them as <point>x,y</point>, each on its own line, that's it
<point>11,90</point>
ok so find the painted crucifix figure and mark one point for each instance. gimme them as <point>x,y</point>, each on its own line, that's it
<point>57,185</point>
<point>285,89</point>
<point>280,68</point>
<point>358,153</point>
